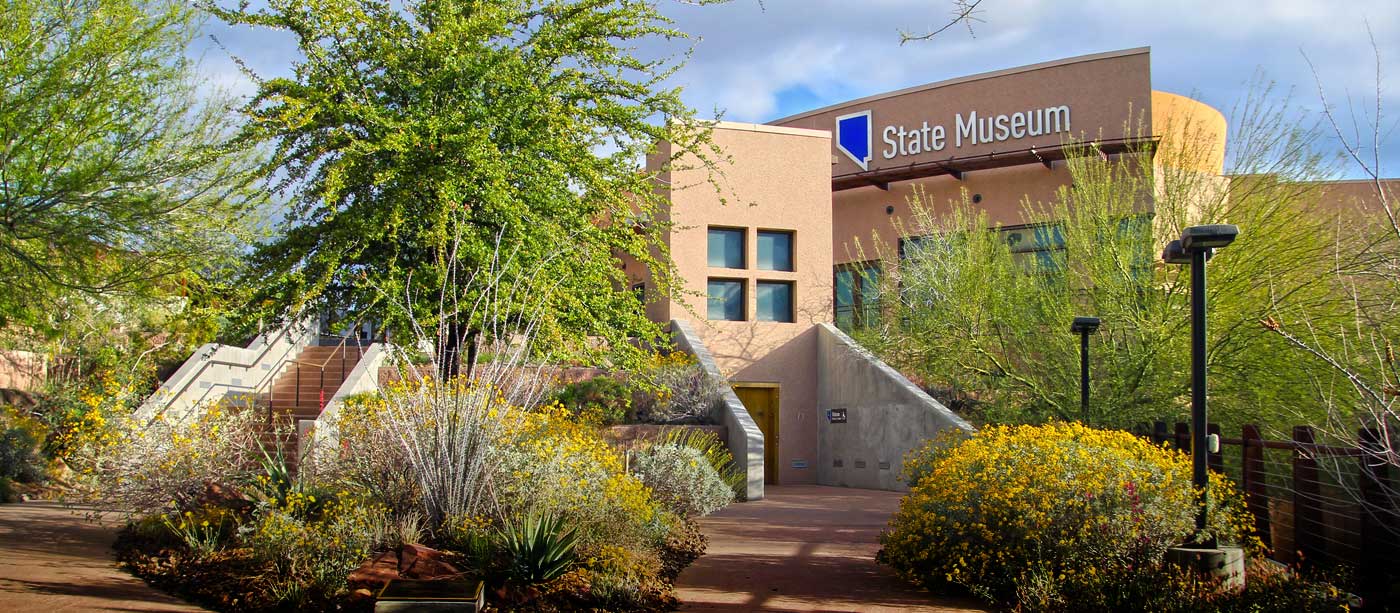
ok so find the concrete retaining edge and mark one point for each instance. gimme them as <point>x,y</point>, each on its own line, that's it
<point>745,440</point>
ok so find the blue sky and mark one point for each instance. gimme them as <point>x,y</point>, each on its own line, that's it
<point>761,62</point>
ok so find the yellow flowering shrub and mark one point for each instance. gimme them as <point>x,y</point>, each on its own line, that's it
<point>148,467</point>
<point>553,464</point>
<point>312,554</point>
<point>1017,514</point>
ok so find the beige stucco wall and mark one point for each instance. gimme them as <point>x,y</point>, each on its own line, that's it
<point>774,179</point>
<point>1108,95</point>
<point>860,215</point>
<point>1192,133</point>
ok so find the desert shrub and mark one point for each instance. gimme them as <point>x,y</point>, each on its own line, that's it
<point>20,457</point>
<point>148,468</point>
<point>1019,515</point>
<point>1162,587</point>
<point>552,464</point>
<point>623,579</point>
<point>312,554</point>
<point>686,394</point>
<point>682,479</point>
<point>203,531</point>
<point>603,399</point>
<point>368,457</point>
<point>540,548</point>
<point>716,453</point>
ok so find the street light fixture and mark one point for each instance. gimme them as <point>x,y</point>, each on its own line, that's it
<point>1196,245</point>
<point>1084,326</point>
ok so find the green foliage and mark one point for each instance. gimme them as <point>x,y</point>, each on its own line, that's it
<point>682,479</point>
<point>119,177</point>
<point>603,400</point>
<point>21,459</point>
<point>986,324</point>
<point>1166,588</point>
<point>1027,515</point>
<point>540,548</point>
<point>313,555</point>
<point>417,137</point>
<point>203,532</point>
<point>716,453</point>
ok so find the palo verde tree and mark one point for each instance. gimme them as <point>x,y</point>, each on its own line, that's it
<point>988,323</point>
<point>420,139</point>
<point>118,177</point>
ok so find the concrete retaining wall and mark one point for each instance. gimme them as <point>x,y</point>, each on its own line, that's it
<point>218,372</point>
<point>886,415</point>
<point>745,440</point>
<point>23,371</point>
<point>364,377</point>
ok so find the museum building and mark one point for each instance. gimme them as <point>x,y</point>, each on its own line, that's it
<point>772,276</point>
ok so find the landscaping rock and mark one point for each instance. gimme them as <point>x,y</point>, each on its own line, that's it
<point>420,562</point>
<point>411,561</point>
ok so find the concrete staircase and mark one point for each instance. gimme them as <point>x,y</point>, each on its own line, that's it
<point>302,391</point>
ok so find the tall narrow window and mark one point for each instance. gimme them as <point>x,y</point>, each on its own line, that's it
<point>774,300</point>
<point>857,295</point>
<point>725,299</point>
<point>726,248</point>
<point>774,250</point>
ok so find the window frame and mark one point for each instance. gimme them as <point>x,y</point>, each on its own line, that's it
<point>743,298</point>
<point>743,234</point>
<point>791,249</point>
<point>860,275</point>
<point>791,302</point>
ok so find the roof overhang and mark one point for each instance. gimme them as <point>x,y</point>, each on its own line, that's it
<point>958,166</point>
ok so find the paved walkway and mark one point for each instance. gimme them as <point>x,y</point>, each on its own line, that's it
<point>803,548</point>
<point>54,560</point>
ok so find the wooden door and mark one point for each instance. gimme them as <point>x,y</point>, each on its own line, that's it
<point>761,401</point>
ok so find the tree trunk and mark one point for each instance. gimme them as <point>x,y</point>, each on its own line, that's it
<point>450,364</point>
<point>473,351</point>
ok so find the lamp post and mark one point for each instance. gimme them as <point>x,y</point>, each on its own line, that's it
<point>1084,326</point>
<point>1196,245</point>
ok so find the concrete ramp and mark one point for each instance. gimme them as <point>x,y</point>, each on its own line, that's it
<point>872,415</point>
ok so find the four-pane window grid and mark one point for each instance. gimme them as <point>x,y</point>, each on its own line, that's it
<point>727,298</point>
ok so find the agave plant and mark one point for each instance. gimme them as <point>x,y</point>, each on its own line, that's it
<point>541,548</point>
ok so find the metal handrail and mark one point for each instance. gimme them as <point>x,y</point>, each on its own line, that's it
<point>339,348</point>
<point>207,361</point>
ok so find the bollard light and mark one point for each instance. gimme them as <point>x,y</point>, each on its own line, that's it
<point>1084,326</point>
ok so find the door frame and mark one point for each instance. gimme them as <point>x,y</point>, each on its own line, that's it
<point>776,417</point>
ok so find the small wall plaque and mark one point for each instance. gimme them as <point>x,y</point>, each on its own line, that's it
<point>799,463</point>
<point>836,416</point>
<point>860,463</point>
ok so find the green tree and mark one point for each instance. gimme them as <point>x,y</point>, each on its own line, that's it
<point>118,177</point>
<point>421,140</point>
<point>989,325</point>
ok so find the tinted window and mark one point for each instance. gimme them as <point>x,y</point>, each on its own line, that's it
<point>775,251</point>
<point>726,299</point>
<point>774,301</point>
<point>726,248</point>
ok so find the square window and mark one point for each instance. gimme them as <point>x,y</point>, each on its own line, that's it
<point>725,299</point>
<point>774,250</point>
<point>726,248</point>
<point>774,301</point>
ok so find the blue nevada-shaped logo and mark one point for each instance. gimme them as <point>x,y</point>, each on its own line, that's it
<point>853,137</point>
